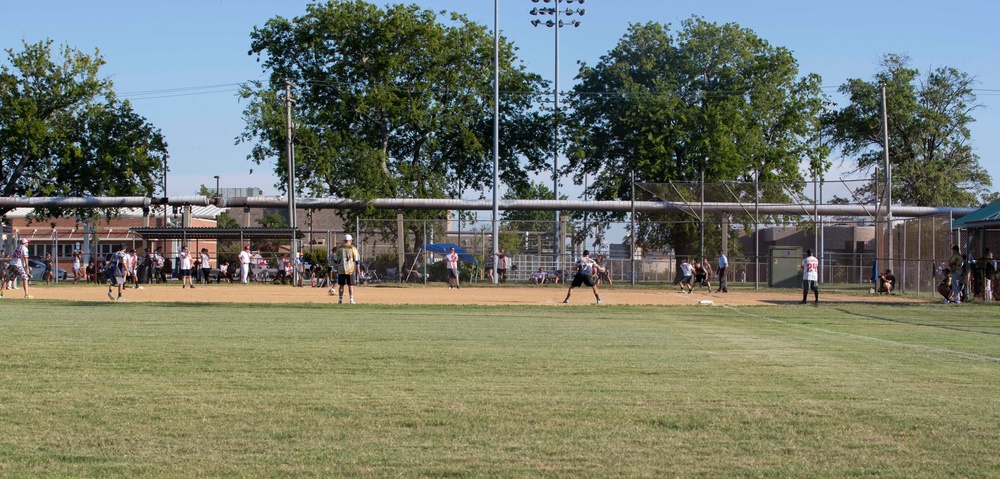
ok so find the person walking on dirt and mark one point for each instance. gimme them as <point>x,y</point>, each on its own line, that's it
<point>723,265</point>
<point>585,269</point>
<point>347,261</point>
<point>117,269</point>
<point>18,269</point>
<point>687,275</point>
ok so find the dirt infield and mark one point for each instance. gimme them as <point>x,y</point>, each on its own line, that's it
<point>438,293</point>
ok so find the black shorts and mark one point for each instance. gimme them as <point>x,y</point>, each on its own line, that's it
<point>581,279</point>
<point>686,280</point>
<point>185,272</point>
<point>347,279</point>
<point>452,273</point>
<point>700,279</point>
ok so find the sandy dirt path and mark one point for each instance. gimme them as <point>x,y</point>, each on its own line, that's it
<point>438,293</point>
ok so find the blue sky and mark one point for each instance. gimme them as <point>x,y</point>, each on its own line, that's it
<point>180,62</point>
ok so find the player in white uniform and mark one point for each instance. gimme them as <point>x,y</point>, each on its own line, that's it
<point>810,276</point>
<point>245,264</point>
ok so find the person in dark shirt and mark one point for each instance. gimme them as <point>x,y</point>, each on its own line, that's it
<point>886,282</point>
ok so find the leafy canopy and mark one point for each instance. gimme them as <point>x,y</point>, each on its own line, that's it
<point>389,103</point>
<point>710,99</point>
<point>930,144</point>
<point>63,132</point>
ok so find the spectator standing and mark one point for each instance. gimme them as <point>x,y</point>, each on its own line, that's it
<point>184,264</point>
<point>955,265</point>
<point>451,267</point>
<point>47,276</point>
<point>78,267</point>
<point>347,261</point>
<point>301,267</point>
<point>585,269</point>
<point>488,266</point>
<point>206,265</point>
<point>810,276</point>
<point>502,266</point>
<point>603,274</point>
<point>18,269</point>
<point>989,271</point>
<point>723,266</point>
<point>244,258</point>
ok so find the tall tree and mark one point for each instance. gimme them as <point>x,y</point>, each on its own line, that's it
<point>389,103</point>
<point>930,144</point>
<point>63,132</point>
<point>712,99</point>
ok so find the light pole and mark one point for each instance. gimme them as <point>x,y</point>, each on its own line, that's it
<point>555,23</point>
<point>291,179</point>
<point>217,195</point>
<point>496,137</point>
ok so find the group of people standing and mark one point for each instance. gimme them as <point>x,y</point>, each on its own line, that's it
<point>964,277</point>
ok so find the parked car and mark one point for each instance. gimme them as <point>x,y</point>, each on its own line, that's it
<point>38,271</point>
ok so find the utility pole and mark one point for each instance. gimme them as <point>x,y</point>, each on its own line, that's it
<point>888,180</point>
<point>291,180</point>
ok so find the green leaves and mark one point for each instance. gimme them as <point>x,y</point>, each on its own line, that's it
<point>712,99</point>
<point>930,145</point>
<point>64,133</point>
<point>389,103</point>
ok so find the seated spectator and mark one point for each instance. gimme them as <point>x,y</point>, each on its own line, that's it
<point>224,272</point>
<point>538,277</point>
<point>91,272</point>
<point>886,282</point>
<point>944,287</point>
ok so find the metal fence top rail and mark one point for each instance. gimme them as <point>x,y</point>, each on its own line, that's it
<point>621,206</point>
<point>223,234</point>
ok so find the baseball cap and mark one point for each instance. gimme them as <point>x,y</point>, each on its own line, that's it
<point>24,240</point>
<point>246,247</point>
<point>348,238</point>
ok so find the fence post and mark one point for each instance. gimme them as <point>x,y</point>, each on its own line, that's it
<point>400,240</point>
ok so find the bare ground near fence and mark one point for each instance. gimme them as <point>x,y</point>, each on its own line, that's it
<point>438,293</point>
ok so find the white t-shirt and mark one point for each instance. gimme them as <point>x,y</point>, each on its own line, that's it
<point>687,269</point>
<point>244,257</point>
<point>451,260</point>
<point>206,261</point>
<point>585,265</point>
<point>810,269</point>
<point>20,256</point>
<point>185,260</point>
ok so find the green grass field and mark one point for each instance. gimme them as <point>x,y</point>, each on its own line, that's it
<point>196,390</point>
